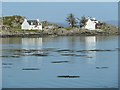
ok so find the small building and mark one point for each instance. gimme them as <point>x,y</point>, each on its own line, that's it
<point>31,25</point>
<point>91,24</point>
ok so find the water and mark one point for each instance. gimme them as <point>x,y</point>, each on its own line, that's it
<point>93,59</point>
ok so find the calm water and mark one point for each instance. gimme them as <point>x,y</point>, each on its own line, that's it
<point>37,62</point>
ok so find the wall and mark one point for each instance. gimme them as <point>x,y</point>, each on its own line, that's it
<point>90,25</point>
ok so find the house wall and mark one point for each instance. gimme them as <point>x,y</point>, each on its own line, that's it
<point>90,25</point>
<point>25,25</point>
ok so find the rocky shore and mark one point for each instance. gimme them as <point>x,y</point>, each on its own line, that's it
<point>58,32</point>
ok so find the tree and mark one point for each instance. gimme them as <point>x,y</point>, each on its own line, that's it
<point>82,21</point>
<point>45,23</point>
<point>71,20</point>
<point>13,21</point>
<point>104,25</point>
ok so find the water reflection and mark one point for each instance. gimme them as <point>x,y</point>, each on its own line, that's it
<point>90,44</point>
<point>31,43</point>
<point>47,72</point>
<point>29,61</point>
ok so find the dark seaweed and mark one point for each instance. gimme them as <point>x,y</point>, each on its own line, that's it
<point>30,69</point>
<point>101,67</point>
<point>60,61</point>
<point>67,76</point>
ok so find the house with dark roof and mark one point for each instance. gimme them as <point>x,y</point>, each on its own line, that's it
<point>91,24</point>
<point>31,25</point>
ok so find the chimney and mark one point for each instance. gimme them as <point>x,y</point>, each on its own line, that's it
<point>38,20</point>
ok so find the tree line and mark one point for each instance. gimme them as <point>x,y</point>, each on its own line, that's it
<point>74,22</point>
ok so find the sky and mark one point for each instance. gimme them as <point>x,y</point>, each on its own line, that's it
<point>58,11</point>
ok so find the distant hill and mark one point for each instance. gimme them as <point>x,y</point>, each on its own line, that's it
<point>64,24</point>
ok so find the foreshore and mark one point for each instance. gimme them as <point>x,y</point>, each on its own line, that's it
<point>60,32</point>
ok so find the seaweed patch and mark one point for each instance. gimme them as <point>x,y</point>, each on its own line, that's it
<point>68,76</point>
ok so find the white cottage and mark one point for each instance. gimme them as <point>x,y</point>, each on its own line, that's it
<point>31,24</point>
<point>91,24</point>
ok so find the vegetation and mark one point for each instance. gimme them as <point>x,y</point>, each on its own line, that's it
<point>71,20</point>
<point>13,21</point>
<point>82,21</point>
<point>0,20</point>
<point>46,23</point>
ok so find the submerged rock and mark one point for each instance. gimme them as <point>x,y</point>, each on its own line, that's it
<point>13,56</point>
<point>39,54</point>
<point>89,57</point>
<point>68,54</point>
<point>65,50</point>
<point>97,50</point>
<point>60,61</point>
<point>100,50</point>
<point>67,76</point>
<point>72,55</point>
<point>6,67</point>
<point>101,67</point>
<point>30,69</point>
<point>7,64</point>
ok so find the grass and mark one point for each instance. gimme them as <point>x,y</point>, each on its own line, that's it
<point>68,28</point>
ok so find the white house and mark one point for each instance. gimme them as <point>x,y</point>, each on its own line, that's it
<point>31,24</point>
<point>91,24</point>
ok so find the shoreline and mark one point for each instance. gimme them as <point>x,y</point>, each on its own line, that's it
<point>60,32</point>
<point>46,35</point>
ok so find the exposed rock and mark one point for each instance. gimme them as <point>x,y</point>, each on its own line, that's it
<point>62,32</point>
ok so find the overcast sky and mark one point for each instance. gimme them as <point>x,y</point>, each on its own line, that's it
<point>57,11</point>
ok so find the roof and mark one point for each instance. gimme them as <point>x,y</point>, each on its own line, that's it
<point>33,22</point>
<point>93,20</point>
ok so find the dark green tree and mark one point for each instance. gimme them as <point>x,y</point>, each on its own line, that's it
<point>13,21</point>
<point>71,20</point>
<point>82,21</point>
